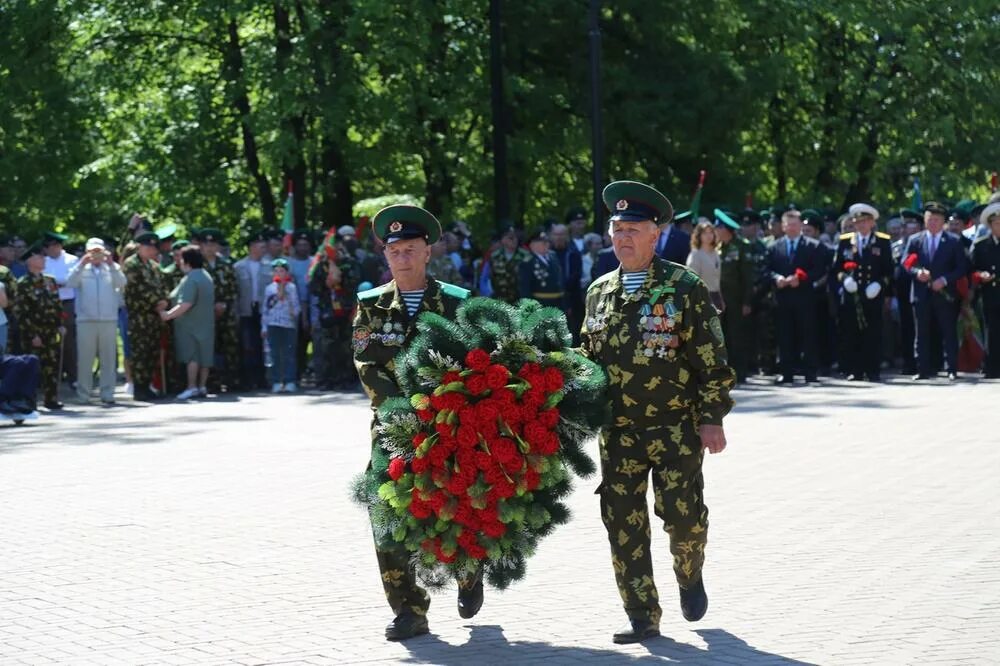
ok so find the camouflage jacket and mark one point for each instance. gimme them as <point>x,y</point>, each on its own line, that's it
<point>224,278</point>
<point>334,305</point>
<point>739,271</point>
<point>504,274</point>
<point>9,285</point>
<point>172,276</point>
<point>38,309</point>
<point>144,287</point>
<point>382,327</point>
<point>661,346</point>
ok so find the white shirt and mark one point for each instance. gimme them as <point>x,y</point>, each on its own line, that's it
<point>59,268</point>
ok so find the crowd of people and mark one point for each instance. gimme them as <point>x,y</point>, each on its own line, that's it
<point>800,292</point>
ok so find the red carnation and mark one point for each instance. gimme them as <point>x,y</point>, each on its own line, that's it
<point>493,475</point>
<point>547,445</point>
<point>549,418</point>
<point>443,429</point>
<point>437,455</point>
<point>419,465</point>
<point>553,380</point>
<point>425,415</point>
<point>476,552</point>
<point>910,261</point>
<point>476,384</point>
<point>397,467</point>
<point>850,265</point>
<point>503,489</point>
<point>534,433</point>
<point>504,397</point>
<point>477,359</point>
<point>534,398</point>
<point>467,436</point>
<point>494,529</point>
<point>977,278</point>
<point>532,479</point>
<point>801,275</point>
<point>497,376</point>
<point>418,507</point>
<point>451,377</point>
<point>419,438</point>
<point>484,461</point>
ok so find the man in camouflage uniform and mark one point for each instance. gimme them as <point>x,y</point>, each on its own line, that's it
<point>333,281</point>
<point>384,325</point>
<point>172,276</point>
<point>652,326</point>
<point>145,297</point>
<point>736,283</point>
<point>39,315</point>
<point>227,344</point>
<point>503,267</point>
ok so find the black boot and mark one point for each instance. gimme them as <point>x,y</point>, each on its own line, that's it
<point>694,601</point>
<point>636,631</point>
<point>470,599</point>
<point>406,625</point>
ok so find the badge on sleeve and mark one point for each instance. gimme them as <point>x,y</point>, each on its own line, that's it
<point>360,340</point>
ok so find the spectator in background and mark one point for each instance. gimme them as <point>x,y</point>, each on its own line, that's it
<point>333,284</point>
<point>673,244</point>
<point>279,320</point>
<point>704,260</point>
<point>99,284</point>
<point>502,268</point>
<point>298,265</point>
<point>274,240</point>
<point>58,264</point>
<point>441,267</point>
<point>592,243</point>
<point>194,320</point>
<point>253,274</point>
<point>571,266</point>
<point>576,220</point>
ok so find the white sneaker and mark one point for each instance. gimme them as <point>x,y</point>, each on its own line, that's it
<point>128,388</point>
<point>290,387</point>
<point>276,388</point>
<point>187,394</point>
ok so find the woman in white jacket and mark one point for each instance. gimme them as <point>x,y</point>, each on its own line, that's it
<point>99,283</point>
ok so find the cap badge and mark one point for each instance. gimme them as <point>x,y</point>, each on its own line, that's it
<point>395,226</point>
<point>622,204</point>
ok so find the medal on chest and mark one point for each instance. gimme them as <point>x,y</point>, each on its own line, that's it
<point>658,322</point>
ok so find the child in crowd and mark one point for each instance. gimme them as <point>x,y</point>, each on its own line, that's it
<point>278,328</point>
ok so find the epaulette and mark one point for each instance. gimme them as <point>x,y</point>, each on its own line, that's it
<point>848,236</point>
<point>879,234</point>
<point>601,280</point>
<point>690,277</point>
<point>372,293</point>
<point>453,290</point>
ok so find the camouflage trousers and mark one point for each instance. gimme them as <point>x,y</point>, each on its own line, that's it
<point>400,582</point>
<point>48,356</point>
<point>226,371</point>
<point>144,339</point>
<point>333,360</point>
<point>673,456</point>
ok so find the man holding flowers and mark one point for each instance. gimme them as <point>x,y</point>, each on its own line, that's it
<point>652,326</point>
<point>384,325</point>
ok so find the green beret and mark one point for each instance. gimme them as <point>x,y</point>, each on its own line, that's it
<point>723,220</point>
<point>210,235</point>
<point>630,201</point>
<point>51,237</point>
<point>181,244</point>
<point>401,221</point>
<point>148,238</point>
<point>32,250</point>
<point>166,231</point>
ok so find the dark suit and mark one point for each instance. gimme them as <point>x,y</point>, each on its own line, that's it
<point>902,283</point>
<point>796,306</point>
<point>950,262</point>
<point>571,264</point>
<point>986,257</point>
<point>860,316</point>
<point>673,245</point>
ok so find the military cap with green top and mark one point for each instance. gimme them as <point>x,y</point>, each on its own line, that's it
<point>166,231</point>
<point>750,216</point>
<point>180,245</point>
<point>722,219</point>
<point>683,215</point>
<point>51,237</point>
<point>935,208</point>
<point>631,201</point>
<point>210,235</point>
<point>148,238</point>
<point>812,217</point>
<point>404,222</point>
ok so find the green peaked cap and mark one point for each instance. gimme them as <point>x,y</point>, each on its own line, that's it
<point>631,201</point>
<point>402,221</point>
<point>722,218</point>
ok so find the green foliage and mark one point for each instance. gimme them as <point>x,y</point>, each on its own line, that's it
<point>201,111</point>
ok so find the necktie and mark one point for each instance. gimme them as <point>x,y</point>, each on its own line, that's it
<point>791,247</point>
<point>934,244</point>
<point>864,242</point>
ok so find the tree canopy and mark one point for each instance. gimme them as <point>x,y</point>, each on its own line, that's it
<point>203,112</point>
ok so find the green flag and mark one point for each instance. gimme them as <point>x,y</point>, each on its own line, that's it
<point>696,199</point>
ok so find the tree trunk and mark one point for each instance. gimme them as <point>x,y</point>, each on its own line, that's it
<point>293,162</point>
<point>232,73</point>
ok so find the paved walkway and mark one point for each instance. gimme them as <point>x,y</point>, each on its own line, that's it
<point>850,524</point>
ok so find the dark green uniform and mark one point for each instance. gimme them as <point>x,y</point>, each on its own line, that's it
<point>762,338</point>
<point>39,314</point>
<point>382,328</point>
<point>737,280</point>
<point>227,344</point>
<point>503,274</point>
<point>335,308</point>
<point>542,280</point>
<point>663,349</point>
<point>143,290</point>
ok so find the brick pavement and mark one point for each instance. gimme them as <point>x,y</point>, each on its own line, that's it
<point>850,524</point>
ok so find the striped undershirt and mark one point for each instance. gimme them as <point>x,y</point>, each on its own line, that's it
<point>412,300</point>
<point>632,281</point>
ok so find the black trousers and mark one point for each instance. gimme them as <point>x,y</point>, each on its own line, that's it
<point>796,323</point>
<point>936,313</point>
<point>992,316</point>
<point>863,339</point>
<point>907,335</point>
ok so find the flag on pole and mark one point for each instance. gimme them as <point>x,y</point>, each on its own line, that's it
<point>918,199</point>
<point>288,219</point>
<point>696,199</point>
<point>993,182</point>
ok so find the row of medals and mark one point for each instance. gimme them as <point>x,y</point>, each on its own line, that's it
<point>657,323</point>
<point>391,333</point>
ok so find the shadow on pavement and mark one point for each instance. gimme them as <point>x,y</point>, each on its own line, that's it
<point>487,644</point>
